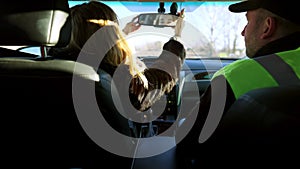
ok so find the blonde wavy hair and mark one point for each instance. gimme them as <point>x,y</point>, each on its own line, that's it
<point>121,52</point>
<point>86,19</point>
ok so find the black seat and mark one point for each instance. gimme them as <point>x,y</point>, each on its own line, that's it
<point>264,116</point>
<point>39,125</point>
<point>106,91</point>
<point>260,128</point>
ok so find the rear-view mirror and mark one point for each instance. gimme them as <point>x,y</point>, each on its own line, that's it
<point>157,19</point>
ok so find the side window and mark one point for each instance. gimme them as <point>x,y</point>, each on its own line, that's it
<point>32,50</point>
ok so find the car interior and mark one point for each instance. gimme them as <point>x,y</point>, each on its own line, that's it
<point>39,125</point>
<point>42,100</point>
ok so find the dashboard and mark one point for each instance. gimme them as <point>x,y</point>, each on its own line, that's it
<point>194,78</point>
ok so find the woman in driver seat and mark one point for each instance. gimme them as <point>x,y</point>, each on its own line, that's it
<point>147,84</point>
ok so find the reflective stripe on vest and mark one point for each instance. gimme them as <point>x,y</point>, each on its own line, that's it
<point>272,70</point>
<point>292,58</point>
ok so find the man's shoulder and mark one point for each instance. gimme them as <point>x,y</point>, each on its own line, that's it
<point>237,65</point>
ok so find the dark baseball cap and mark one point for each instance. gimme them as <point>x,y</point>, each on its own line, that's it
<point>287,9</point>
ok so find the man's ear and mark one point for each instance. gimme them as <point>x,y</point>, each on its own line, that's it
<point>269,27</point>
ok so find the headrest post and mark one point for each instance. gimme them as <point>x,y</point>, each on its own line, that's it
<point>43,52</point>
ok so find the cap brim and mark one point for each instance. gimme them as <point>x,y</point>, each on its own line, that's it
<point>243,6</point>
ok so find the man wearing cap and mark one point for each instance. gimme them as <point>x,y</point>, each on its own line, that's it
<point>272,40</point>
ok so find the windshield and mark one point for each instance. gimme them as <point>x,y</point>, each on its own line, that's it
<point>210,30</point>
